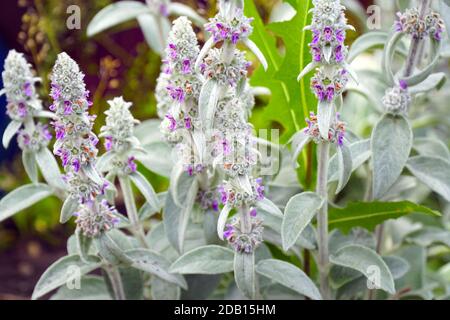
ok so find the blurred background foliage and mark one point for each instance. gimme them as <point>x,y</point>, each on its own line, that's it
<point>119,62</point>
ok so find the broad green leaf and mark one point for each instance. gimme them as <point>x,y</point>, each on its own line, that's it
<point>270,207</point>
<point>115,14</point>
<point>289,276</point>
<point>145,188</point>
<point>158,158</point>
<point>433,81</point>
<point>369,214</point>
<point>428,236</point>
<point>205,260</point>
<point>366,261</point>
<point>91,288</point>
<point>299,212</point>
<point>391,145</point>
<point>10,131</point>
<point>63,271</point>
<point>49,168</point>
<point>22,198</point>
<point>156,38</point>
<point>433,171</point>
<point>244,273</point>
<point>29,163</point>
<point>154,263</point>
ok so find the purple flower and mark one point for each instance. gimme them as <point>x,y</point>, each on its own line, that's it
<point>215,205</point>
<point>67,108</point>
<point>176,93</point>
<point>187,123</point>
<point>172,122</point>
<point>253,212</point>
<point>163,10</point>
<point>328,33</point>
<point>338,54</point>
<point>60,131</point>
<point>340,36</point>
<point>235,38</point>
<point>317,54</point>
<point>403,84</point>
<point>228,233</point>
<point>316,37</point>
<point>56,92</point>
<point>186,66</point>
<point>28,89</point>
<point>22,110</point>
<point>76,164</point>
<point>330,93</point>
<point>131,164</point>
<point>172,51</point>
<point>223,194</point>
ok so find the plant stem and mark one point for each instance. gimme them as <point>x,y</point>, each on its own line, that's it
<point>323,152</point>
<point>116,282</point>
<point>130,205</point>
<point>415,43</point>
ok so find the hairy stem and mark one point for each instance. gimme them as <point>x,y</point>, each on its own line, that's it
<point>130,205</point>
<point>323,151</point>
<point>415,43</point>
<point>116,282</point>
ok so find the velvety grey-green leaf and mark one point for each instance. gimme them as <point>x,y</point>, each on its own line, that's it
<point>69,207</point>
<point>391,145</point>
<point>299,212</point>
<point>163,290</point>
<point>428,236</point>
<point>154,263</point>
<point>207,102</point>
<point>431,147</point>
<point>179,9</point>
<point>222,220</point>
<point>210,259</point>
<point>432,171</point>
<point>445,13</point>
<point>91,288</point>
<point>49,168</point>
<point>29,163</point>
<point>289,276</point>
<point>433,81</point>
<point>83,245</point>
<point>360,152</point>
<point>299,141</point>
<point>22,198</point>
<point>270,207</point>
<point>365,260</point>
<point>325,111</point>
<point>345,166</point>
<point>61,272</point>
<point>10,131</point>
<point>244,274</point>
<point>115,14</point>
<point>210,227</point>
<point>111,251</point>
<point>155,34</point>
<point>365,42</point>
<point>398,266</point>
<point>145,188</point>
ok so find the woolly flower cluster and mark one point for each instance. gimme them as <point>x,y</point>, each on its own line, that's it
<point>328,87</point>
<point>119,134</point>
<point>94,218</point>
<point>19,87</point>
<point>76,143</point>
<point>34,139</point>
<point>329,29</point>
<point>225,73</point>
<point>411,22</point>
<point>245,241</point>
<point>236,195</point>
<point>231,27</point>
<point>179,85</point>
<point>397,99</point>
<point>336,132</point>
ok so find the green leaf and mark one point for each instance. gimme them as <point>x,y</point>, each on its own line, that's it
<point>391,144</point>
<point>154,263</point>
<point>157,158</point>
<point>210,259</point>
<point>281,75</point>
<point>428,236</point>
<point>270,207</point>
<point>115,14</point>
<point>63,271</point>
<point>163,290</point>
<point>345,166</point>
<point>299,212</point>
<point>244,273</point>
<point>83,245</point>
<point>179,9</point>
<point>364,260</point>
<point>153,35</point>
<point>360,152</point>
<point>370,40</point>
<point>434,172</point>
<point>109,250</point>
<point>433,81</point>
<point>369,214</point>
<point>91,288</point>
<point>289,276</point>
<point>430,146</point>
<point>22,198</point>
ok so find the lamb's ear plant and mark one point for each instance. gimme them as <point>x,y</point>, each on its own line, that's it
<point>152,16</point>
<point>24,108</point>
